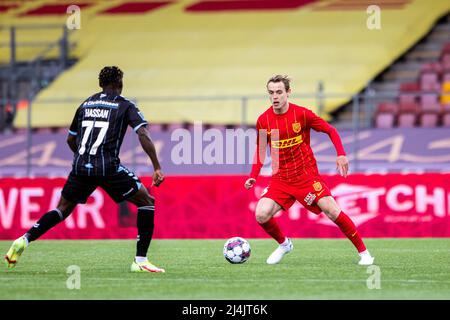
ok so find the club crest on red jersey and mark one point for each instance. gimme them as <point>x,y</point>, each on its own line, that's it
<point>296,126</point>
<point>317,186</point>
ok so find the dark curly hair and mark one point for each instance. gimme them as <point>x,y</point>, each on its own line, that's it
<point>110,75</point>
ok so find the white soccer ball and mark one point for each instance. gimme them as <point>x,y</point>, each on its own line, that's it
<point>236,250</point>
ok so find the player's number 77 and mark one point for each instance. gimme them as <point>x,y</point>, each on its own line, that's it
<point>89,124</point>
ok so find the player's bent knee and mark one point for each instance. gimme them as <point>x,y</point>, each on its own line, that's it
<point>332,212</point>
<point>149,200</point>
<point>329,206</point>
<point>262,216</point>
<point>142,198</point>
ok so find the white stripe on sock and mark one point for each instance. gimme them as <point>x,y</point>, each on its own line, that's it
<point>147,208</point>
<point>61,216</point>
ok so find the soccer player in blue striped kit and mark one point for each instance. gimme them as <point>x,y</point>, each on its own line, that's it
<point>95,137</point>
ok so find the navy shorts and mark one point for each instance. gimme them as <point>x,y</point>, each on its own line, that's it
<point>119,186</point>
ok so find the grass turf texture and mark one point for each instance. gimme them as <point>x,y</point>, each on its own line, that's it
<point>196,269</point>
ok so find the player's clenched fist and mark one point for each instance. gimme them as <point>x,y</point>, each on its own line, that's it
<point>342,165</point>
<point>158,178</point>
<point>249,183</point>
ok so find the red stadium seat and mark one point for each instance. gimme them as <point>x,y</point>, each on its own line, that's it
<point>446,48</point>
<point>407,120</point>
<point>385,120</point>
<point>428,120</point>
<point>428,101</point>
<point>446,119</point>
<point>408,92</point>
<point>445,59</point>
<point>407,115</point>
<point>429,81</point>
<point>430,113</point>
<point>386,114</point>
<point>407,98</point>
<point>387,107</point>
<point>446,77</point>
<point>409,87</point>
<point>434,66</point>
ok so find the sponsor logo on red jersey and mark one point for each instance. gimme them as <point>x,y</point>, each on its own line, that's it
<point>286,143</point>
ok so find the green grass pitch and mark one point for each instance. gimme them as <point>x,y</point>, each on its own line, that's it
<point>197,270</point>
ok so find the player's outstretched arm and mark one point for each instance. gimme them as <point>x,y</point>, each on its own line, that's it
<point>149,148</point>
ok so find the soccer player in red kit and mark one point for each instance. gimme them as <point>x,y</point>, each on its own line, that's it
<point>286,128</point>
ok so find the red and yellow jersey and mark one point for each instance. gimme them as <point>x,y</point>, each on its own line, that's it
<point>288,136</point>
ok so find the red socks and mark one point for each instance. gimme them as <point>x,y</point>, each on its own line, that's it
<point>272,228</point>
<point>343,222</point>
<point>349,229</point>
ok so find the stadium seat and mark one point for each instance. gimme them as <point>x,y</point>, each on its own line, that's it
<point>445,60</point>
<point>407,98</point>
<point>384,120</point>
<point>428,120</point>
<point>430,113</point>
<point>429,81</point>
<point>446,119</point>
<point>407,115</point>
<point>445,115</point>
<point>446,49</point>
<point>446,77</point>
<point>446,107</point>
<point>386,114</point>
<point>428,99</point>
<point>431,67</point>
<point>408,92</point>
<point>409,86</point>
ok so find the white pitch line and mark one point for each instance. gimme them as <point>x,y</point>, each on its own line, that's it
<point>248,280</point>
<point>163,278</point>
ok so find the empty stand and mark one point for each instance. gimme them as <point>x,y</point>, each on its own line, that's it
<point>221,49</point>
<point>422,102</point>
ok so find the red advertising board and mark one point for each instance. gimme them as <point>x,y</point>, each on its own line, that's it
<point>392,205</point>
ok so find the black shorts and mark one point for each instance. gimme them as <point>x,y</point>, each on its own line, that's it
<point>119,186</point>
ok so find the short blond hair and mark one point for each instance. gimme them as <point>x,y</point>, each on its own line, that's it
<point>281,78</point>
